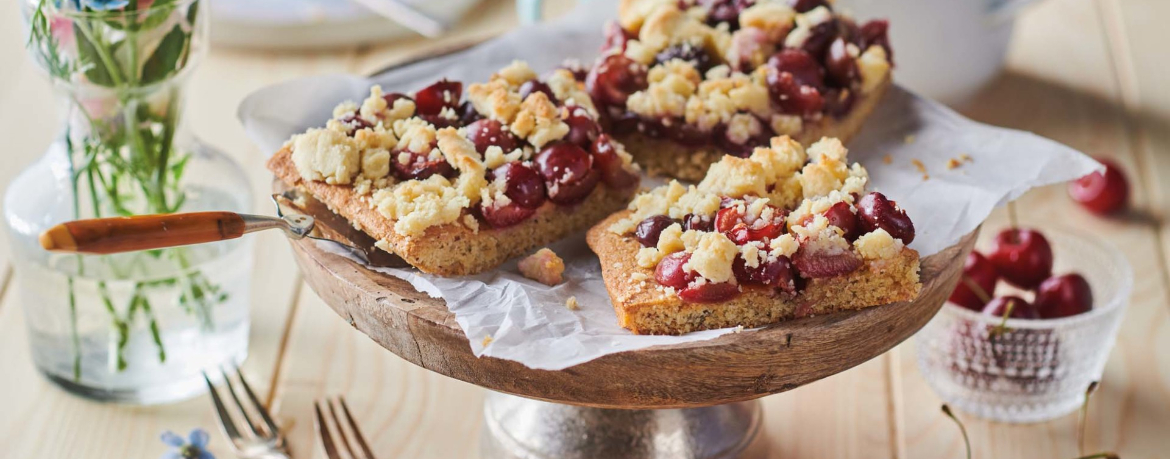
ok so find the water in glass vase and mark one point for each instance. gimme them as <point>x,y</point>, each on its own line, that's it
<point>136,327</point>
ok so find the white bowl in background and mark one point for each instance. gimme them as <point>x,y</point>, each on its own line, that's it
<point>946,50</point>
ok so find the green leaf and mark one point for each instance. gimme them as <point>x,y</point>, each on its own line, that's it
<point>87,52</point>
<point>166,58</point>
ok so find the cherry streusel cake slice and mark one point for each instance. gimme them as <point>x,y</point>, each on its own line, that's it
<point>458,186</point>
<point>681,82</point>
<point>781,234</point>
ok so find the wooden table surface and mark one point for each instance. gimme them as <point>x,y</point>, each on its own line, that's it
<point>1089,73</point>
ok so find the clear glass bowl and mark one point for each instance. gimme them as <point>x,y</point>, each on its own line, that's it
<point>1038,369</point>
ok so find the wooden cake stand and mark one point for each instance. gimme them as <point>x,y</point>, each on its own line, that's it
<point>694,400</point>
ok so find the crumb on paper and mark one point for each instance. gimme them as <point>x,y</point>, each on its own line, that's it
<point>909,139</point>
<point>544,266</point>
<point>921,168</point>
<point>888,159</point>
<point>954,163</point>
<point>737,329</point>
<point>487,340</point>
<point>572,304</point>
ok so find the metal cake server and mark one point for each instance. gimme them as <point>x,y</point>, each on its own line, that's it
<point>295,216</point>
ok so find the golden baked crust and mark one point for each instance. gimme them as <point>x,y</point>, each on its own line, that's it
<point>454,249</point>
<point>659,156</point>
<point>644,307</point>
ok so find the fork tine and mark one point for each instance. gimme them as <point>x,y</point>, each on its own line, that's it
<point>240,404</point>
<point>259,406</point>
<point>323,432</point>
<point>353,427</point>
<point>225,420</point>
<point>340,428</point>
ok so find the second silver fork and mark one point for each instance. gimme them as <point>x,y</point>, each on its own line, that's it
<point>333,448</point>
<point>257,439</point>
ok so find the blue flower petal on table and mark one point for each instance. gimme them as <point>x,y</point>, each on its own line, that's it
<point>198,438</point>
<point>173,439</point>
<point>106,5</point>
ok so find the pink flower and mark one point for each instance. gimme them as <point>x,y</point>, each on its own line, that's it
<point>61,28</point>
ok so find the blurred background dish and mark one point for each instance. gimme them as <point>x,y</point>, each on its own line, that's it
<point>946,50</point>
<point>316,24</point>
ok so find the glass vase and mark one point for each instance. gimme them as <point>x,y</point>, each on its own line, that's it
<point>137,327</point>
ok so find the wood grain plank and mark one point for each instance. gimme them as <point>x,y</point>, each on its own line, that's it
<point>404,410</point>
<point>1060,85</point>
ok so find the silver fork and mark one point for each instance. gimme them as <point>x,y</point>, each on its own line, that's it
<point>259,441</point>
<point>323,430</point>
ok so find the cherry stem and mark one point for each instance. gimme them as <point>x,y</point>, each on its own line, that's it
<point>1085,416</point>
<point>967,441</point>
<point>976,289</point>
<point>1002,327</point>
<point>1013,221</point>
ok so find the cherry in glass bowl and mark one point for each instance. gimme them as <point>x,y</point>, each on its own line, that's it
<point>1032,370</point>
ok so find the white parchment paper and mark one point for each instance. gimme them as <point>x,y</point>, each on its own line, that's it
<point>529,323</point>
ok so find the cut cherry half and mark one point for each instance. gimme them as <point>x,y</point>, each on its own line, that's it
<point>670,272</point>
<point>486,132</point>
<point>613,170</point>
<point>420,166</point>
<point>431,100</point>
<point>568,173</point>
<point>612,80</point>
<point>876,211</point>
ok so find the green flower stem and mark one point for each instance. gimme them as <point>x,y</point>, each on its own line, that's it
<point>102,51</point>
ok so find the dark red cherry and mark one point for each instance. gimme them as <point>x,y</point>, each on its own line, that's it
<point>697,56</point>
<point>743,150</point>
<point>574,66</point>
<point>1020,309</point>
<point>567,171</point>
<point>616,38</point>
<point>614,78</point>
<point>434,98</point>
<point>613,170</point>
<point>804,6</point>
<point>794,80</point>
<point>805,69</point>
<point>468,114</point>
<point>698,223</point>
<point>877,32</point>
<point>1064,296</point>
<point>670,272</point>
<point>488,132</point>
<point>841,67</point>
<point>875,211</point>
<point>532,86</point>
<point>815,265</point>
<point>420,166</point>
<point>841,215</point>
<point>522,184</point>
<point>977,270</point>
<point>819,38</point>
<point>1101,193</point>
<point>776,273</point>
<point>649,230</point>
<point>1022,256</point>
<point>506,215</point>
<point>709,293</point>
<point>583,129</point>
